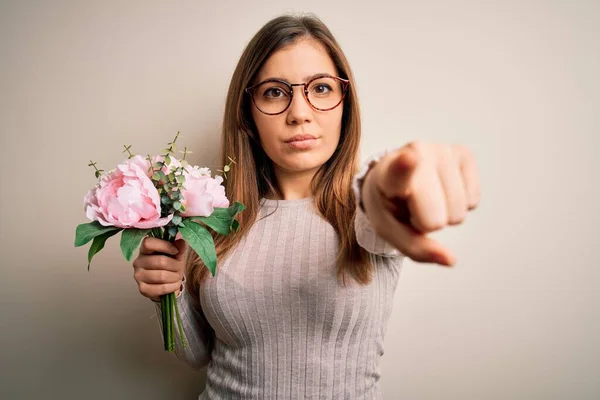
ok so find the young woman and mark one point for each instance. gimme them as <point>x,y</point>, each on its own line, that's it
<point>302,295</point>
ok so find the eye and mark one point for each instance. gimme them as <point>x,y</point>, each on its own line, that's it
<point>321,88</point>
<point>274,93</point>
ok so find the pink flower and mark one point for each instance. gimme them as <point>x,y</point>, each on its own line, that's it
<point>201,193</point>
<point>126,198</point>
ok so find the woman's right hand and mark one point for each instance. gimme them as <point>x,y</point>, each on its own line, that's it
<point>159,267</point>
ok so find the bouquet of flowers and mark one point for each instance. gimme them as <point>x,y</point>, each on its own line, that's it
<point>160,197</point>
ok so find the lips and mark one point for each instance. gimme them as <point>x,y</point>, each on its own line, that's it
<point>298,138</point>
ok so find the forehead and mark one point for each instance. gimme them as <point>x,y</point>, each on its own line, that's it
<point>297,62</point>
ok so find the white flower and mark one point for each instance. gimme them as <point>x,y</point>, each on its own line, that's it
<point>197,172</point>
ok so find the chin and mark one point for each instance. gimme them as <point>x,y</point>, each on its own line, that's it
<point>301,164</point>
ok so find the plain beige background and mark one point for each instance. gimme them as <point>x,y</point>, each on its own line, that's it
<point>518,318</point>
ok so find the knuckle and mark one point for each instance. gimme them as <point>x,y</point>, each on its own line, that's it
<point>446,152</point>
<point>162,276</point>
<point>473,203</point>
<point>416,145</point>
<point>430,223</point>
<point>433,225</point>
<point>463,150</point>
<point>162,262</point>
<point>180,268</point>
<point>164,288</point>
<point>143,288</point>
<point>457,218</point>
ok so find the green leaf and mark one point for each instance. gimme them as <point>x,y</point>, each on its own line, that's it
<point>98,244</point>
<point>86,232</point>
<point>156,176</point>
<point>165,199</point>
<point>222,219</point>
<point>130,240</point>
<point>201,241</point>
<point>235,225</point>
<point>177,205</point>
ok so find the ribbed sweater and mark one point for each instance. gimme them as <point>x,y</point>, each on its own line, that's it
<point>275,322</point>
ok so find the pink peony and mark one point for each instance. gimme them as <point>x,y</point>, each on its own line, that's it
<point>126,198</point>
<point>201,193</point>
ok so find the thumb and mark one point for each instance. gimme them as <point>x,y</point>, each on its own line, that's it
<point>398,170</point>
<point>182,246</point>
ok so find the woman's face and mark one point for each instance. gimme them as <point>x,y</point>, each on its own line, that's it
<point>298,63</point>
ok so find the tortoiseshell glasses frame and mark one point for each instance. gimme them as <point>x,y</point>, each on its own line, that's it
<point>344,83</point>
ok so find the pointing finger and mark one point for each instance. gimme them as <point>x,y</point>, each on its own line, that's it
<point>398,171</point>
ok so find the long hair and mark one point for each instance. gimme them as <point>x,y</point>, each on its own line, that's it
<point>253,177</point>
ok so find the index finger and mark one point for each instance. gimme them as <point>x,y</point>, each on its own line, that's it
<point>152,245</point>
<point>398,171</point>
<point>415,245</point>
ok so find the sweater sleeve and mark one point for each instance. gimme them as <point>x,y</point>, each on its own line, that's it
<point>366,236</point>
<point>196,329</point>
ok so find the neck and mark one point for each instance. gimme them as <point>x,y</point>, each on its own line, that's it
<point>294,185</point>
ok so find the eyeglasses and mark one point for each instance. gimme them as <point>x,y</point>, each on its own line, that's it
<point>274,96</point>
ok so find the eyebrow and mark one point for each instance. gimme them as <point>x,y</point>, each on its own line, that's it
<point>306,78</point>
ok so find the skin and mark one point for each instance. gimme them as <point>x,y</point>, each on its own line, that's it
<point>294,168</point>
<point>419,189</point>
<point>436,184</point>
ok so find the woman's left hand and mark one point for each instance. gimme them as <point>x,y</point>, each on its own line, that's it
<point>419,189</point>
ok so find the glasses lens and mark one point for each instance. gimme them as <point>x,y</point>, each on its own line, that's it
<point>272,97</point>
<point>325,93</point>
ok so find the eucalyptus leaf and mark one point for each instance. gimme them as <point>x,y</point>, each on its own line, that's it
<point>176,220</point>
<point>130,241</point>
<point>86,232</point>
<point>98,244</point>
<point>201,241</point>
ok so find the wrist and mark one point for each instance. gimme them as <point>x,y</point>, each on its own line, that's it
<point>365,182</point>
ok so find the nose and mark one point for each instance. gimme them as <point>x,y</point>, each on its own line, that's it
<point>300,110</point>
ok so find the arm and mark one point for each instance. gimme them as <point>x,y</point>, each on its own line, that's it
<point>197,331</point>
<point>365,234</point>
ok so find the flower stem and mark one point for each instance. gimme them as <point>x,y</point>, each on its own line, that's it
<point>165,320</point>
<point>170,344</point>
<point>168,304</point>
